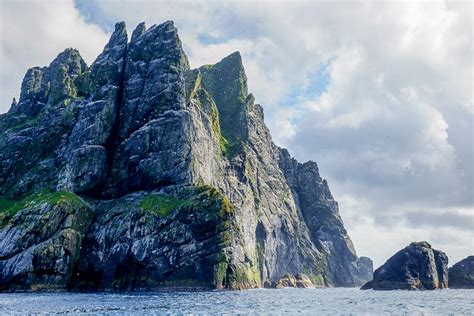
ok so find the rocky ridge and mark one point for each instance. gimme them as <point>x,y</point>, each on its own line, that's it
<point>141,173</point>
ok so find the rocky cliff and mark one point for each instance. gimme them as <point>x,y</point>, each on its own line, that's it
<point>138,172</point>
<point>415,267</point>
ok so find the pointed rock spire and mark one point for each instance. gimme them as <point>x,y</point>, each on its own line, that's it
<point>31,87</point>
<point>139,30</point>
<point>227,83</point>
<point>108,67</point>
<point>61,74</point>
<point>116,46</point>
<point>118,40</point>
<point>70,60</point>
<point>232,69</point>
<point>86,168</point>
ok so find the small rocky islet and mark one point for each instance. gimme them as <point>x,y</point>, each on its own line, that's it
<point>420,267</point>
<point>140,173</point>
<point>415,267</point>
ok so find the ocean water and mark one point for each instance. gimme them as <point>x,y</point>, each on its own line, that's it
<point>253,302</point>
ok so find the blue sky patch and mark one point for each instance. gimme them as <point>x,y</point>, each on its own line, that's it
<point>319,80</point>
<point>92,13</point>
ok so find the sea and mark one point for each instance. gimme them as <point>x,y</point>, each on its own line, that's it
<point>326,301</point>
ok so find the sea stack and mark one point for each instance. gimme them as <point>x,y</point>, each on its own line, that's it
<point>416,267</point>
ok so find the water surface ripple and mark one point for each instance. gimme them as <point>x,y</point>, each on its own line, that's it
<point>261,301</point>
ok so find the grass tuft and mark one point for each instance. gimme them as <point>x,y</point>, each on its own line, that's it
<point>160,204</point>
<point>9,208</point>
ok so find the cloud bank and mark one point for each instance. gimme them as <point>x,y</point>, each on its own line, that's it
<point>379,94</point>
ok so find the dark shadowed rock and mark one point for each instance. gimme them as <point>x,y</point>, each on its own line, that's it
<point>461,275</point>
<point>416,267</point>
<point>184,185</point>
<point>41,244</point>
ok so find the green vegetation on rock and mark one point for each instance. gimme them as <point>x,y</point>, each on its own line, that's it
<point>245,277</point>
<point>220,270</point>
<point>12,206</point>
<point>317,279</point>
<point>226,82</point>
<point>162,205</point>
<point>9,208</point>
<point>226,207</point>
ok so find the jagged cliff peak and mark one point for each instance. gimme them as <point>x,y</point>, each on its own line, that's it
<point>171,173</point>
<point>118,38</point>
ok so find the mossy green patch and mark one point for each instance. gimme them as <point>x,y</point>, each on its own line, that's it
<point>162,205</point>
<point>8,208</point>
<point>224,145</point>
<point>12,206</point>
<point>7,205</point>
<point>226,83</point>
<point>220,270</point>
<point>245,277</point>
<point>226,207</point>
<point>317,279</point>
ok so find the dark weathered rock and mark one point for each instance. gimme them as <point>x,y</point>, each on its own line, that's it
<point>41,244</point>
<point>416,267</point>
<point>147,240</point>
<point>461,275</point>
<point>321,215</point>
<point>138,130</point>
<point>34,131</point>
<point>90,145</point>
<point>152,143</point>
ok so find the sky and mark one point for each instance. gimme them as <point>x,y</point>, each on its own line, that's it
<point>379,94</point>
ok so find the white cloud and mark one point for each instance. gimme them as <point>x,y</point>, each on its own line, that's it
<point>393,129</point>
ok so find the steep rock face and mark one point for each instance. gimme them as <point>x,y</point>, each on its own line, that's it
<point>322,217</point>
<point>461,275</point>
<point>40,246</point>
<point>89,147</point>
<point>145,240</point>
<point>152,145</point>
<point>272,239</point>
<point>186,187</point>
<point>34,131</point>
<point>416,267</point>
